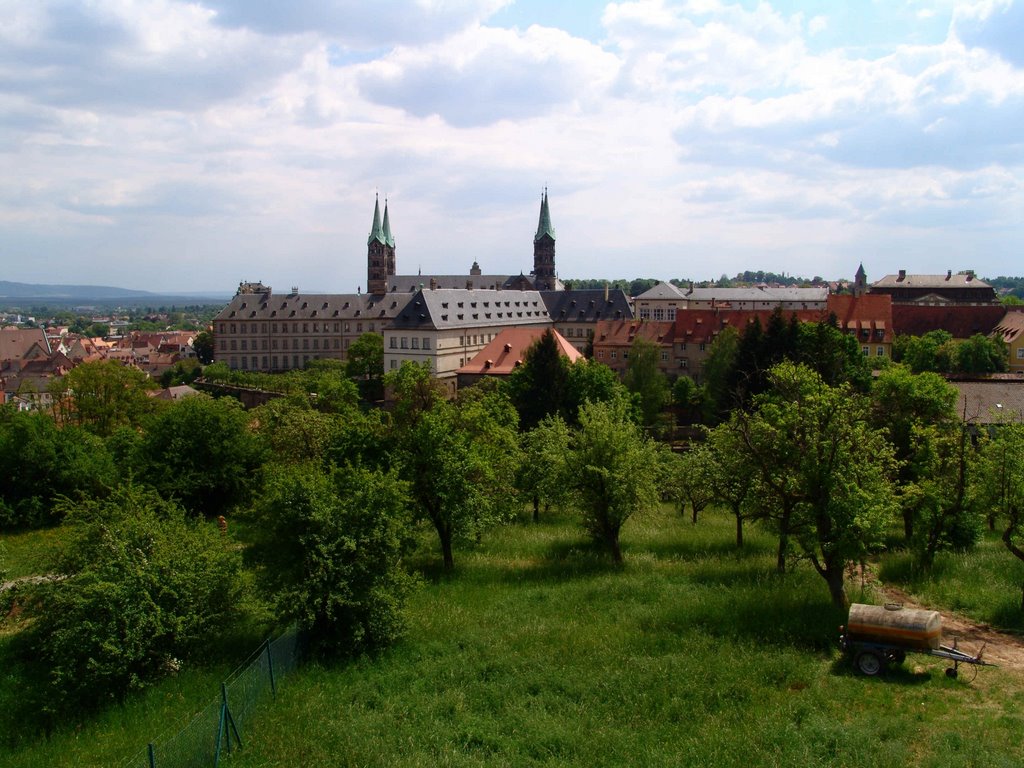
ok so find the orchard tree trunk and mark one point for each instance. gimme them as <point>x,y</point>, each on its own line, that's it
<point>536,508</point>
<point>446,548</point>
<point>739,529</point>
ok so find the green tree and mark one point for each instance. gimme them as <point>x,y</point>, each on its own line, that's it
<point>717,371</point>
<point>544,473</point>
<point>645,379</point>
<point>102,396</point>
<point>930,352</point>
<point>728,474</point>
<point>201,451</point>
<point>142,590</point>
<point>329,545</point>
<point>821,471</point>
<point>980,354</point>
<point>593,382</point>
<point>912,410</point>
<point>539,387</point>
<point>202,345</point>
<point>1000,486</point>
<point>615,471</point>
<point>834,355</point>
<point>40,463</point>
<point>365,366</point>
<point>460,460</point>
<point>686,480</point>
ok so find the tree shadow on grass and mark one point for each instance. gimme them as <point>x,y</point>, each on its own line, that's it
<point>690,551</point>
<point>897,674</point>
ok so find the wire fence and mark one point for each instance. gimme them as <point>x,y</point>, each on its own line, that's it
<point>220,726</point>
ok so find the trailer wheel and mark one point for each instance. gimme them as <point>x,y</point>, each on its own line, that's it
<point>869,663</point>
<point>952,672</point>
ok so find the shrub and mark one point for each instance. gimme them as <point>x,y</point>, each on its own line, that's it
<point>141,589</point>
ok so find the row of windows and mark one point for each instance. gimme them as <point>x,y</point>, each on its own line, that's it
<point>284,327</point>
<point>234,345</point>
<point>276,363</point>
<point>404,342</point>
<point>879,351</point>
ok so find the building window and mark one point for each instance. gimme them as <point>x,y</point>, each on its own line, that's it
<point>664,354</point>
<point>224,346</point>
<point>865,350</point>
<point>347,327</point>
<point>273,327</point>
<point>625,354</point>
<point>273,345</point>
<point>245,363</point>
<point>614,355</point>
<point>336,343</point>
<point>671,313</point>
<point>263,346</point>
<point>295,361</point>
<point>645,314</point>
<point>264,361</point>
<point>426,342</point>
<point>233,345</point>
<point>600,354</point>
<point>880,352</point>
<point>245,345</point>
<point>305,343</point>
<point>415,342</point>
<point>394,363</point>
<point>359,327</point>
<point>684,363</point>
<point>702,346</point>
<point>405,342</point>
<point>462,341</point>
<point>305,327</point>
<point>659,313</point>
<point>316,343</point>
<point>393,343</point>
<point>273,361</point>
<point>233,328</point>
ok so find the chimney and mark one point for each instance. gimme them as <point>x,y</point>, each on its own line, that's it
<point>606,291</point>
<point>902,277</point>
<point>433,283</point>
<point>949,274</point>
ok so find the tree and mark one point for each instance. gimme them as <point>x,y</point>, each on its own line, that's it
<point>686,480</point>
<point>539,387</point>
<point>980,354</point>
<point>142,589</point>
<point>460,460</point>
<point>912,410</point>
<point>330,545</point>
<point>821,471</point>
<point>644,379</point>
<point>717,370</point>
<point>201,451</point>
<point>101,396</point>
<point>1000,486</point>
<point>834,355</point>
<point>202,345</point>
<point>930,352</point>
<point>40,463</point>
<point>615,471</point>
<point>365,366</point>
<point>544,473</point>
<point>729,475</point>
<point>593,382</point>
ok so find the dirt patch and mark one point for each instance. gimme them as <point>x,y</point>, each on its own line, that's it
<point>1002,648</point>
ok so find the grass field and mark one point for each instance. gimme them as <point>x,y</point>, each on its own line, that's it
<point>537,651</point>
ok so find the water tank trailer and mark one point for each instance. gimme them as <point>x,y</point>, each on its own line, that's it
<point>878,635</point>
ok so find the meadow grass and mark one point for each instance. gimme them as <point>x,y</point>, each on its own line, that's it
<point>538,651</point>
<point>30,553</point>
<point>984,583</point>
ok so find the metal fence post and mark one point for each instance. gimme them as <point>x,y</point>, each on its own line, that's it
<point>270,667</point>
<point>226,726</point>
<point>152,756</point>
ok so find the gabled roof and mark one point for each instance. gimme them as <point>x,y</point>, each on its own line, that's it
<point>311,306</point>
<point>625,332</point>
<point>461,308</point>
<point>15,343</point>
<point>991,401</point>
<point>587,306</point>
<point>413,283</point>
<point>948,280</point>
<point>963,321</point>
<point>702,325</point>
<point>508,350</point>
<point>662,291</point>
<point>722,295</point>
<point>870,312</point>
<point>1011,327</point>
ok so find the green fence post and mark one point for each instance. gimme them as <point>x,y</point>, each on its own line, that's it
<point>152,756</point>
<point>223,729</point>
<point>270,666</point>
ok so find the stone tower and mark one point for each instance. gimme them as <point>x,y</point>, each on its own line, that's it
<point>860,282</point>
<point>380,251</point>
<point>544,278</point>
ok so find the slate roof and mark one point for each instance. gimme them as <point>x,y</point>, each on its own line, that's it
<point>469,308</point>
<point>662,291</point>
<point>412,283</point>
<point>311,306</point>
<point>927,282</point>
<point>587,306</point>
<point>992,400</point>
<point>724,295</point>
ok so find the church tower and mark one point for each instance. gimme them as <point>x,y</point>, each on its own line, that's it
<point>380,256</point>
<point>860,282</point>
<point>544,278</point>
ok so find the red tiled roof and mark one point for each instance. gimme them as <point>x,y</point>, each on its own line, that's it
<point>1011,326</point>
<point>868,312</point>
<point>962,321</point>
<point>623,332</point>
<point>508,349</point>
<point>702,325</point>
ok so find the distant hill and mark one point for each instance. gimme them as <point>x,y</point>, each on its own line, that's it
<point>9,290</point>
<point>64,294</point>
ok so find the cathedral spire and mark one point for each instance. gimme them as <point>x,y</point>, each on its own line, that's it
<point>388,238</point>
<point>376,232</point>
<point>544,224</point>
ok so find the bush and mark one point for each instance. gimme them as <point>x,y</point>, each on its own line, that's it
<point>330,546</point>
<point>142,589</point>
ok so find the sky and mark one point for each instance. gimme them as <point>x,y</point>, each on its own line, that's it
<point>187,146</point>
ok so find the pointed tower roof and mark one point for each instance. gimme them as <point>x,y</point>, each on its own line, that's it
<point>377,233</point>
<point>388,238</point>
<point>544,224</point>
<point>860,271</point>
